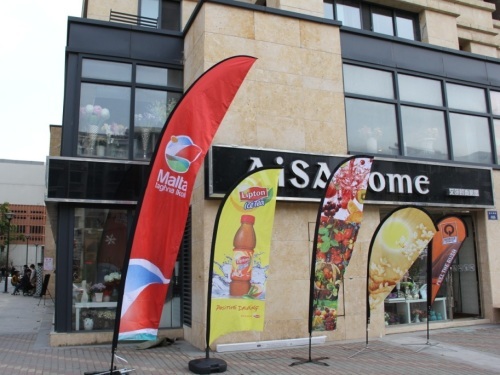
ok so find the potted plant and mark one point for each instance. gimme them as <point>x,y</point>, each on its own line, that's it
<point>96,291</point>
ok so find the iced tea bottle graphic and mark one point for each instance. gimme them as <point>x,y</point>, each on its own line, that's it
<point>243,248</point>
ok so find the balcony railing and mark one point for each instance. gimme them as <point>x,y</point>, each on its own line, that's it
<point>132,19</point>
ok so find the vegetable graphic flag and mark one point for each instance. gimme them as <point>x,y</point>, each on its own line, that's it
<point>445,246</point>
<point>337,226</point>
<point>164,206</point>
<point>396,244</point>
<point>240,255</point>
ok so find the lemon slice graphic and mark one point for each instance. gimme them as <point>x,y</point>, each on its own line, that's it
<point>393,233</point>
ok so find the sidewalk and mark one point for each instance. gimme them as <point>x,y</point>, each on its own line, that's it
<point>24,349</point>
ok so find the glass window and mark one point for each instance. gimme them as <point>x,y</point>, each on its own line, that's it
<point>424,133</point>
<point>103,127</point>
<point>405,27</point>
<point>466,98</point>
<point>371,127</point>
<point>496,125</point>
<point>495,102</point>
<point>470,137</point>
<point>171,14</point>
<point>152,108</point>
<point>420,90</point>
<point>100,239</point>
<point>349,13</point>
<point>107,70</point>
<point>382,21</point>
<point>328,10</point>
<point>150,8</point>
<point>159,76</point>
<point>365,81</point>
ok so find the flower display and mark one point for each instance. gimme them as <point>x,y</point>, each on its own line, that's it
<point>94,115</point>
<point>420,313</point>
<point>97,288</point>
<point>113,277</point>
<point>156,114</point>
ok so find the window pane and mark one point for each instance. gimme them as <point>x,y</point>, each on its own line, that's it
<point>104,121</point>
<point>152,108</point>
<point>471,138</point>
<point>371,127</point>
<point>382,21</point>
<point>405,27</point>
<point>171,15</point>
<point>496,124</point>
<point>328,10</point>
<point>349,13</point>
<point>424,133</point>
<point>100,239</point>
<point>365,81</point>
<point>495,102</point>
<point>420,90</point>
<point>150,8</point>
<point>466,98</point>
<point>111,71</point>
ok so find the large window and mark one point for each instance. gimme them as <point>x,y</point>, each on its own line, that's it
<point>398,114</point>
<point>100,238</point>
<point>108,128</point>
<point>367,16</point>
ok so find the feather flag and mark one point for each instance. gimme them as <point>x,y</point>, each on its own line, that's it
<point>240,255</point>
<point>163,209</point>
<point>445,246</point>
<point>337,226</point>
<point>398,241</point>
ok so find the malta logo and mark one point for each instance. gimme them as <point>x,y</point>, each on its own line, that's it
<point>180,153</point>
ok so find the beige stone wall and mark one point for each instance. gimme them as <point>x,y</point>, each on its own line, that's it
<point>310,7</point>
<point>295,87</point>
<point>55,140</point>
<point>438,29</point>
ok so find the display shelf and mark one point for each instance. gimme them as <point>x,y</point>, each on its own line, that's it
<point>404,307</point>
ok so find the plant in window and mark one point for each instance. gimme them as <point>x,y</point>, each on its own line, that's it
<point>156,114</point>
<point>97,288</point>
<point>93,115</point>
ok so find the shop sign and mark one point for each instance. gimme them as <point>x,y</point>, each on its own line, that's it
<point>391,182</point>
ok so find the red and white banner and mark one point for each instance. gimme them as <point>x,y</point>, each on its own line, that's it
<point>164,207</point>
<point>445,246</point>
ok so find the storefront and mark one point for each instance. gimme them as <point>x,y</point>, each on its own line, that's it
<point>318,92</point>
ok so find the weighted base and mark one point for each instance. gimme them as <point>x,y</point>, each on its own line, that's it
<point>207,365</point>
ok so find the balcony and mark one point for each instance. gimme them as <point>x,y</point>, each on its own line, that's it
<point>132,19</point>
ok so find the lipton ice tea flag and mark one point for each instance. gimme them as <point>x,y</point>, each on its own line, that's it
<point>240,255</point>
<point>337,227</point>
<point>163,209</point>
<point>398,241</point>
<point>445,246</point>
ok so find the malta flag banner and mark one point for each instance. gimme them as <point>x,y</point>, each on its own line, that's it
<point>240,255</point>
<point>337,227</point>
<point>396,244</point>
<point>163,210</point>
<point>445,246</point>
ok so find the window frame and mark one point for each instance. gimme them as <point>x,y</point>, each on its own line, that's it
<point>133,85</point>
<point>444,108</point>
<point>367,10</point>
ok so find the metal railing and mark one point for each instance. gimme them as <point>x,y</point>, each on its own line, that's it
<point>132,19</point>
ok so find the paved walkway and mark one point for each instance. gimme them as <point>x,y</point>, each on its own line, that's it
<point>24,349</point>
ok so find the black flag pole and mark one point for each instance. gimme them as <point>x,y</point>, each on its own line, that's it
<point>209,365</point>
<point>312,290</point>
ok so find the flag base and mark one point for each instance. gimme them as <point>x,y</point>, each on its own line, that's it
<point>207,365</point>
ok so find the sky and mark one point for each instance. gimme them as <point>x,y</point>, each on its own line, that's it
<point>32,58</point>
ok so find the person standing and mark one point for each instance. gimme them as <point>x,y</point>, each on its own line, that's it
<point>39,280</point>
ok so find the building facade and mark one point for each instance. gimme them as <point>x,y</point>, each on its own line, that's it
<point>414,83</point>
<point>22,186</point>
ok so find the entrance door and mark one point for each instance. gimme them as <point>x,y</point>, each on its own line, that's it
<point>464,278</point>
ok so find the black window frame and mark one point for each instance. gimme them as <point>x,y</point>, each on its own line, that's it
<point>367,9</point>
<point>398,103</point>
